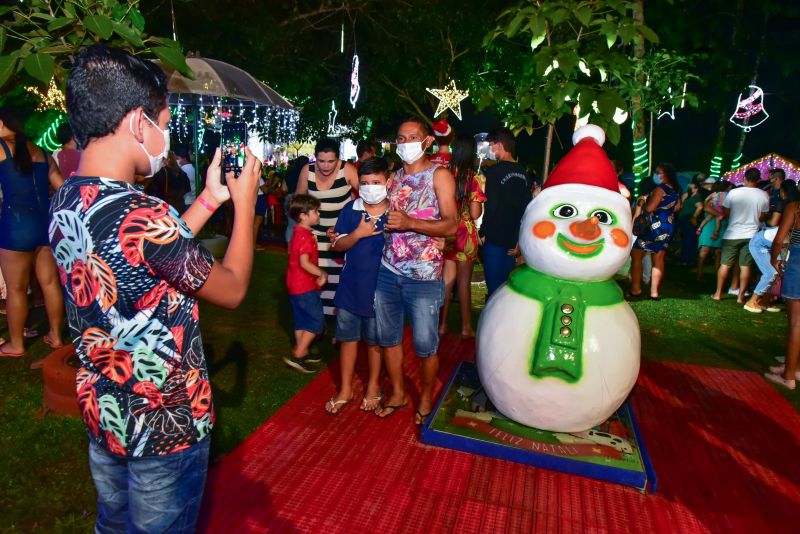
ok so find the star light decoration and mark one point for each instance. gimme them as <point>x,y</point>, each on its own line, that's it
<point>449,98</point>
<point>52,99</point>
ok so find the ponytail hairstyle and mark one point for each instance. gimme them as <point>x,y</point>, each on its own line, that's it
<point>22,157</point>
<point>462,161</point>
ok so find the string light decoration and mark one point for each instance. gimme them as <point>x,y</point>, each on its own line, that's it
<point>716,167</point>
<point>750,109</point>
<point>332,119</point>
<point>737,161</point>
<point>640,166</point>
<point>449,98</point>
<point>49,139</point>
<point>53,98</point>
<point>277,125</point>
<point>355,87</point>
<point>764,164</point>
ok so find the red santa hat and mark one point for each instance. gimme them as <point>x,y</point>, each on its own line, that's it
<point>587,162</point>
<point>441,128</point>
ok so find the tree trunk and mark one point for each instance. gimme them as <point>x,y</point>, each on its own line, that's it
<point>547,146</point>
<point>637,113</point>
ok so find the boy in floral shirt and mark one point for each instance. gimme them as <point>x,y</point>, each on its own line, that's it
<point>131,271</point>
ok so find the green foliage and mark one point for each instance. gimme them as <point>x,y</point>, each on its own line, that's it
<point>38,38</point>
<point>563,52</point>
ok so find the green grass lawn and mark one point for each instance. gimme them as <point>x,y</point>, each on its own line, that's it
<point>44,475</point>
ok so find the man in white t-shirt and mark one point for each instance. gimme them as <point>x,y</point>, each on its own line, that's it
<point>745,208</point>
<point>182,156</point>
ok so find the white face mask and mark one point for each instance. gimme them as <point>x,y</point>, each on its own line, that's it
<point>410,152</point>
<point>156,162</point>
<point>372,193</point>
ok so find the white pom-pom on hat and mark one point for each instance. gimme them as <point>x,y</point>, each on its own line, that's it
<point>592,131</point>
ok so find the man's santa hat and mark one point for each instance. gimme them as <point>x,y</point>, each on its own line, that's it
<point>586,163</point>
<point>441,128</point>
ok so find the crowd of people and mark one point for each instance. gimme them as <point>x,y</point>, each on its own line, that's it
<point>371,244</point>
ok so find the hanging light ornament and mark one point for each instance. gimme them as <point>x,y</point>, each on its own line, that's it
<point>53,98</point>
<point>355,87</point>
<point>750,109</point>
<point>449,98</point>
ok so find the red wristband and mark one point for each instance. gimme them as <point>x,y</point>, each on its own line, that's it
<point>206,205</point>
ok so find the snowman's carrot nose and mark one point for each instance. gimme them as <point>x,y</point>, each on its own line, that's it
<point>587,229</point>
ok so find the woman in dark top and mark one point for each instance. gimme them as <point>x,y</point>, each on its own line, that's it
<point>661,204</point>
<point>26,175</point>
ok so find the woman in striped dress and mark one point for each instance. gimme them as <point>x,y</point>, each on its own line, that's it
<point>332,182</point>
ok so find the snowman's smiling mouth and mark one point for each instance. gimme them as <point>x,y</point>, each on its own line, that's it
<point>585,250</point>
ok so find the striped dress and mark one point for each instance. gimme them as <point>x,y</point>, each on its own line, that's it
<point>332,201</point>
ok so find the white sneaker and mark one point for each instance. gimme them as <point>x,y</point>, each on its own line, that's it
<point>778,379</point>
<point>778,370</point>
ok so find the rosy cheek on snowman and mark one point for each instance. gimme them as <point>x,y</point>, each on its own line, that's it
<point>583,237</point>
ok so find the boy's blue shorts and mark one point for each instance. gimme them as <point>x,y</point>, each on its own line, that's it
<point>352,327</point>
<point>307,312</point>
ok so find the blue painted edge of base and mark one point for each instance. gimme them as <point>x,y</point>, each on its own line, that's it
<point>652,479</point>
<point>635,479</point>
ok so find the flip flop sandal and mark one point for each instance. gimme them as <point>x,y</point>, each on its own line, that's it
<point>5,354</point>
<point>378,398</point>
<point>392,409</point>
<point>330,406</point>
<point>423,418</point>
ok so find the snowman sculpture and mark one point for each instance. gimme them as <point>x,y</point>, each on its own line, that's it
<point>558,346</point>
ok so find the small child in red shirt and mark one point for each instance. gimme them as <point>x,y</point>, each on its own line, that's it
<point>304,278</point>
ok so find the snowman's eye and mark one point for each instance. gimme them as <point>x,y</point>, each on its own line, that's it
<point>565,211</point>
<point>603,216</point>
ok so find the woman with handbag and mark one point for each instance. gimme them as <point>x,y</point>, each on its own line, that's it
<point>786,375</point>
<point>654,228</point>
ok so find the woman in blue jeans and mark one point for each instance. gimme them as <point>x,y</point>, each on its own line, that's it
<point>760,246</point>
<point>786,375</point>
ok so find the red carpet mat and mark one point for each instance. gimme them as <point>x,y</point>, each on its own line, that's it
<point>725,445</point>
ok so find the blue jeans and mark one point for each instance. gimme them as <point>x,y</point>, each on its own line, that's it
<point>151,493</point>
<point>421,300</point>
<point>497,266</point>
<point>760,250</point>
<point>352,327</point>
<point>307,312</point>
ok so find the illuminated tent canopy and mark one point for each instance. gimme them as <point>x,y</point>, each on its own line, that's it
<point>764,164</point>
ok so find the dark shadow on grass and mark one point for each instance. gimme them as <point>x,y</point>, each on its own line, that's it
<point>234,394</point>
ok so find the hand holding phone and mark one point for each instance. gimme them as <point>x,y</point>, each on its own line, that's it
<point>232,143</point>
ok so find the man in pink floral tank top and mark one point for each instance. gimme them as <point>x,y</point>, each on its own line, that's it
<point>422,207</point>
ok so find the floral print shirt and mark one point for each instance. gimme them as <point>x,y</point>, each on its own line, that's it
<point>411,254</point>
<point>129,265</point>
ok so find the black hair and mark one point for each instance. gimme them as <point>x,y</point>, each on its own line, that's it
<point>752,175</point>
<point>504,137</point>
<point>461,162</point>
<point>670,176</point>
<point>182,151</point>
<point>365,146</point>
<point>778,172</point>
<point>326,144</point>
<point>789,189</point>
<point>12,119</point>
<point>104,85</point>
<point>373,165</point>
<point>64,133</point>
<point>300,204</point>
<point>426,129</point>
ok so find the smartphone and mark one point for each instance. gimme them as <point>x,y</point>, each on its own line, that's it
<point>233,141</point>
